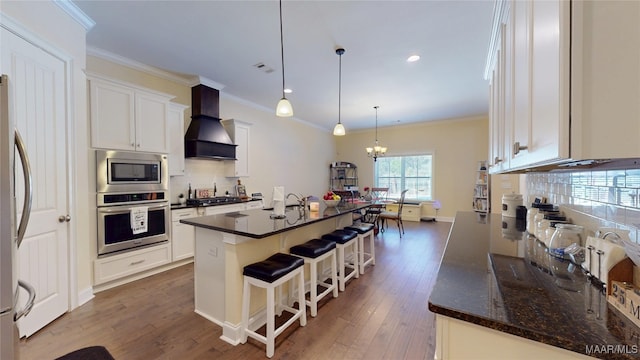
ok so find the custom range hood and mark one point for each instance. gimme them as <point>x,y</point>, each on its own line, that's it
<point>206,138</point>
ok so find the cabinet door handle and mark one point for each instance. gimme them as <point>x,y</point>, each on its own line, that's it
<point>497,160</point>
<point>517,147</point>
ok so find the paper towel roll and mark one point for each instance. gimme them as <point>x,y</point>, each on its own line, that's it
<point>278,200</point>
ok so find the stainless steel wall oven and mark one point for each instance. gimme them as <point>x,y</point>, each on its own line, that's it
<point>132,200</point>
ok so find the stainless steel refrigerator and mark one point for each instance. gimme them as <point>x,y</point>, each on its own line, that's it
<point>11,229</point>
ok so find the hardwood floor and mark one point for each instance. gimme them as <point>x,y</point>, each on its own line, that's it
<point>381,315</point>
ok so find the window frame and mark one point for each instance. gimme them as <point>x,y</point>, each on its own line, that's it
<point>414,190</point>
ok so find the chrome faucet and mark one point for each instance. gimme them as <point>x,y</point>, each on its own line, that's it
<point>301,199</point>
<point>617,237</point>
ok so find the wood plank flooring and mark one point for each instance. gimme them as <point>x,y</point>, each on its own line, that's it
<point>381,315</point>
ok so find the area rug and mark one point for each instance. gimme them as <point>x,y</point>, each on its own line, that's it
<point>88,353</point>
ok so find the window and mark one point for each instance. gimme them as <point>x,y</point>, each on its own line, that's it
<point>406,172</point>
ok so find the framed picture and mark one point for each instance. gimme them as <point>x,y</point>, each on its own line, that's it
<point>241,190</point>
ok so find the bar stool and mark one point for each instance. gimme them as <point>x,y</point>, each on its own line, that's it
<point>364,231</point>
<point>346,242</point>
<point>271,274</point>
<point>314,252</point>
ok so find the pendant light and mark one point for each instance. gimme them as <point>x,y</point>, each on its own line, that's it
<point>377,150</point>
<point>338,130</point>
<point>284,108</point>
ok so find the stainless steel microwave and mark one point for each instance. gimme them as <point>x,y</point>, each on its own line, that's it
<point>126,171</point>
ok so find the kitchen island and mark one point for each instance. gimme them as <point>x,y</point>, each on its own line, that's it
<point>499,295</point>
<point>226,243</point>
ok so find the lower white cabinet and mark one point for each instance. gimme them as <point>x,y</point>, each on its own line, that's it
<point>410,212</point>
<point>223,209</point>
<point>118,266</point>
<point>457,339</point>
<point>182,235</point>
<point>121,268</point>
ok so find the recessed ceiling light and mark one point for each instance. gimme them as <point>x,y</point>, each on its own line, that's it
<point>413,58</point>
<point>288,91</point>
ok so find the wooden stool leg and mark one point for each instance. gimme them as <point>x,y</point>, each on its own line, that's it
<point>361,252</point>
<point>334,272</point>
<point>314,288</point>
<point>341,268</point>
<point>355,257</point>
<point>372,240</point>
<point>271,321</point>
<point>302,305</point>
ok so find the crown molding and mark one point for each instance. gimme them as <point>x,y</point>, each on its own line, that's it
<point>76,13</point>
<point>197,80</point>
<point>152,70</point>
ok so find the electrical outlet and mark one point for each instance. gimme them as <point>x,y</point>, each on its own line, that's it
<point>213,252</point>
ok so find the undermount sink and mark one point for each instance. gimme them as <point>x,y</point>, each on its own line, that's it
<point>287,207</point>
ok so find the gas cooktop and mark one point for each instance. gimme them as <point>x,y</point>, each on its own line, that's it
<point>218,200</point>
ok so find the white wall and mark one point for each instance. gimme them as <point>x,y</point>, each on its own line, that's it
<point>457,146</point>
<point>282,152</point>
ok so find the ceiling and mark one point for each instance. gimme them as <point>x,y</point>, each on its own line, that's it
<point>223,41</point>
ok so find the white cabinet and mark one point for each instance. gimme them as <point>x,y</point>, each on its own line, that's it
<point>240,132</point>
<point>118,266</point>
<point>561,80</point>
<point>410,212</point>
<point>223,209</point>
<point>182,235</point>
<point>176,137</point>
<point>541,128</point>
<point>461,340</point>
<point>124,117</point>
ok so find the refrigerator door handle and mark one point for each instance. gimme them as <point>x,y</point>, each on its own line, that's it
<point>28,197</point>
<point>32,299</point>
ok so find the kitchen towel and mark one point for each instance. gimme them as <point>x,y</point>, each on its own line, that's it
<point>139,216</point>
<point>278,200</point>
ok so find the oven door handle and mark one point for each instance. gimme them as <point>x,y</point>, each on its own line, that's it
<point>127,208</point>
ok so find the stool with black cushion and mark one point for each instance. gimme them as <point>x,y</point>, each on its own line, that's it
<point>364,230</point>
<point>271,274</point>
<point>347,246</point>
<point>315,252</point>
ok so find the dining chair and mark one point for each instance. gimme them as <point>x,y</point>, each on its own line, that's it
<point>379,196</point>
<point>393,215</point>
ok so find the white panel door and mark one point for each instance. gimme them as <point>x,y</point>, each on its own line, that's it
<point>38,104</point>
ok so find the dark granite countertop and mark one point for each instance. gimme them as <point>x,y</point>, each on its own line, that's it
<point>495,276</point>
<point>258,223</point>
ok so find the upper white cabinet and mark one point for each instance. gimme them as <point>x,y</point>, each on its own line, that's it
<point>124,117</point>
<point>240,132</point>
<point>176,137</point>
<point>560,79</point>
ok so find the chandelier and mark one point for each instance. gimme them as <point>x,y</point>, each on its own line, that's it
<point>377,150</point>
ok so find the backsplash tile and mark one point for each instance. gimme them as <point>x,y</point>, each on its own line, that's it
<point>594,199</point>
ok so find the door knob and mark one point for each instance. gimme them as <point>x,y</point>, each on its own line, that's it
<point>64,218</point>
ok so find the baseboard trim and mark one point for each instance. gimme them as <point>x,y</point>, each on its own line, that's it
<point>85,296</point>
